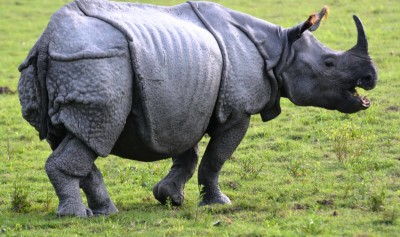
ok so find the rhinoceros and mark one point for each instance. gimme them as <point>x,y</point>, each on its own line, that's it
<point>147,82</point>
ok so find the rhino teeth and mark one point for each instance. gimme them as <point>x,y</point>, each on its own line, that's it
<point>365,101</point>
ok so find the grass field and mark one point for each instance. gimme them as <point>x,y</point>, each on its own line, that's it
<point>308,172</point>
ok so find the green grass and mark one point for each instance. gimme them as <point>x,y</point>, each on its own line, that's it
<point>308,172</point>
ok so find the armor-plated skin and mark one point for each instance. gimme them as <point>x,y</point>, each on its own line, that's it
<point>146,82</point>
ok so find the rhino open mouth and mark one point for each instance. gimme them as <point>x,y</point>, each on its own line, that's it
<point>364,101</point>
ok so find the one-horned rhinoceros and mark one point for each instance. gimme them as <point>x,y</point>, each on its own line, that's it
<point>146,83</point>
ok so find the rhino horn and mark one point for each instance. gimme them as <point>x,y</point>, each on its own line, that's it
<point>361,48</point>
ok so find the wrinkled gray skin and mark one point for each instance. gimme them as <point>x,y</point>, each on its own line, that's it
<point>147,82</point>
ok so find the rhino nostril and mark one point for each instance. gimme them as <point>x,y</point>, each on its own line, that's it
<point>367,78</point>
<point>367,82</point>
<point>364,80</point>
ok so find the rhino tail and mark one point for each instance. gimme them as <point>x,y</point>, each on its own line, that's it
<point>32,85</point>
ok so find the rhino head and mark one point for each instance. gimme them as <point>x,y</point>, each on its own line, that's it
<point>314,75</point>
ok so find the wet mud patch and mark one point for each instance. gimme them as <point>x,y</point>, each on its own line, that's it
<point>394,108</point>
<point>326,202</point>
<point>299,206</point>
<point>5,90</point>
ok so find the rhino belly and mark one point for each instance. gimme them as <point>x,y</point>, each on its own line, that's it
<point>132,146</point>
<point>178,68</point>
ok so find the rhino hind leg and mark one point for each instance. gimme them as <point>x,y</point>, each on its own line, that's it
<point>223,143</point>
<point>70,162</point>
<point>96,193</point>
<point>172,186</point>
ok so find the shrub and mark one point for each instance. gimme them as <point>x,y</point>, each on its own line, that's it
<point>19,200</point>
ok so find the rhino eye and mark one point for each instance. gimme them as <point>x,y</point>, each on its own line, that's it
<point>329,64</point>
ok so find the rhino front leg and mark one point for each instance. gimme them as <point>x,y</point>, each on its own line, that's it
<point>172,185</point>
<point>96,193</point>
<point>224,140</point>
<point>71,161</point>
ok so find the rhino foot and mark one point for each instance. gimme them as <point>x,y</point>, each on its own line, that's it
<point>168,190</point>
<point>106,209</point>
<point>215,198</point>
<point>67,165</point>
<point>70,209</point>
<point>96,193</point>
<point>171,187</point>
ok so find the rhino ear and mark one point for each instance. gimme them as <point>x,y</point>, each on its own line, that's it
<point>311,24</point>
<point>323,14</point>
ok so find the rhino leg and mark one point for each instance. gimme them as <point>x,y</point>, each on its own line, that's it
<point>224,140</point>
<point>71,161</point>
<point>96,193</point>
<point>171,187</point>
